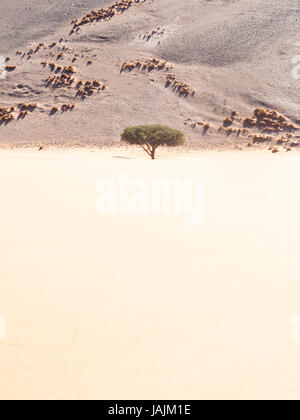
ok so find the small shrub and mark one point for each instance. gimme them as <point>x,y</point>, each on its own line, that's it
<point>228,122</point>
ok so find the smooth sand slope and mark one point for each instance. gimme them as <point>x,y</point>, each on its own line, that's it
<point>235,55</point>
<point>148,307</point>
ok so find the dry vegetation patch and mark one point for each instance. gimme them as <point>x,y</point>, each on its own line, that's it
<point>156,33</point>
<point>105,14</point>
<point>6,114</point>
<point>67,107</point>
<point>269,121</point>
<point>88,88</point>
<point>10,68</point>
<point>151,64</point>
<point>147,65</point>
<point>182,88</point>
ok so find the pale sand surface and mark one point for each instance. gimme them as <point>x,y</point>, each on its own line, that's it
<point>124,307</point>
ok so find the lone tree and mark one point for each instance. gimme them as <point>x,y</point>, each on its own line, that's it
<point>150,137</point>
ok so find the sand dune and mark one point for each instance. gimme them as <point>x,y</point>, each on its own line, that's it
<point>234,55</point>
<point>89,317</point>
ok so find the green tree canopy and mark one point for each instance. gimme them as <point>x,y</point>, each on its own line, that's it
<point>150,137</point>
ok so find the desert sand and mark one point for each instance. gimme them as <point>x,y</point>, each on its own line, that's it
<point>148,307</point>
<point>234,55</point>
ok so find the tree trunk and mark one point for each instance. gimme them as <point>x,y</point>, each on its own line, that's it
<point>153,154</point>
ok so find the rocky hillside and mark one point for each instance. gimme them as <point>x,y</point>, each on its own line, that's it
<point>224,71</point>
